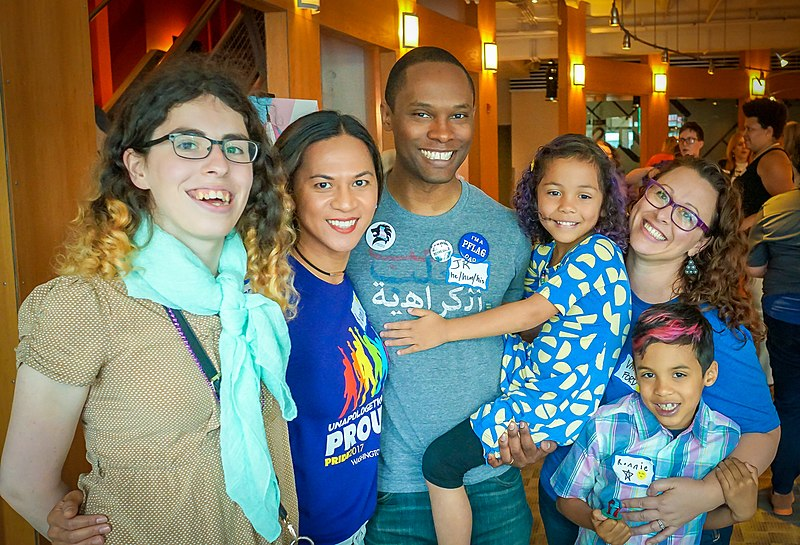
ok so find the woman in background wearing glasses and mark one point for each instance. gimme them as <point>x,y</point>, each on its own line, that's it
<point>685,244</point>
<point>148,339</point>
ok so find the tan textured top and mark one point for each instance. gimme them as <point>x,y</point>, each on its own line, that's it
<point>151,421</point>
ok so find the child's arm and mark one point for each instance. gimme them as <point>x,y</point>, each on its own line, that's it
<point>431,330</point>
<point>739,482</point>
<point>613,532</point>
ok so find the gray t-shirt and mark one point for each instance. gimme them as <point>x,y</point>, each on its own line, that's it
<point>469,259</point>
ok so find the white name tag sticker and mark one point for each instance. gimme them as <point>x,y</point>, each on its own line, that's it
<point>358,312</point>
<point>464,273</point>
<point>634,470</point>
<point>627,374</point>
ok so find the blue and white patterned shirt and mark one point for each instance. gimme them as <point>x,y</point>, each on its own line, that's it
<point>624,448</point>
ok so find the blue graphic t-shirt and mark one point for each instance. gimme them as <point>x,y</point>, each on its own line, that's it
<point>336,373</point>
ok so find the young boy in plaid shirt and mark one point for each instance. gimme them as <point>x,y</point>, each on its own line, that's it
<point>663,431</point>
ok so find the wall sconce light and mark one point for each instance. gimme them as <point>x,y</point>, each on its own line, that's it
<point>410,30</point>
<point>659,83</point>
<point>758,86</point>
<point>490,56</point>
<point>308,4</point>
<point>578,74</point>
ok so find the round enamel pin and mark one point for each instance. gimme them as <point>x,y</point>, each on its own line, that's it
<point>441,251</point>
<point>380,236</point>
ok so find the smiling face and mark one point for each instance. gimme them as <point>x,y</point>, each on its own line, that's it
<point>653,234</point>
<point>757,137</point>
<point>569,201</point>
<point>432,122</point>
<point>198,201</point>
<point>689,143</point>
<point>335,191</point>
<point>671,382</point>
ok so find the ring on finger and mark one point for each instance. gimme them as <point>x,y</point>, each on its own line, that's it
<point>661,524</point>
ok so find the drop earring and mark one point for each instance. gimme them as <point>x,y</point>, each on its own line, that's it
<point>690,269</point>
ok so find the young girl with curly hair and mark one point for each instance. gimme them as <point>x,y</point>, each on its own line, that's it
<point>686,245</point>
<point>571,206</point>
<point>147,337</point>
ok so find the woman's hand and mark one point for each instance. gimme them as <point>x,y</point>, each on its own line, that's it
<point>429,330</point>
<point>739,482</point>
<point>518,449</point>
<point>69,528</point>
<point>613,532</point>
<point>670,504</point>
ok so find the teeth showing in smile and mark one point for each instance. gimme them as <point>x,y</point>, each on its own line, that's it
<point>437,155</point>
<point>209,195</point>
<point>566,223</point>
<point>653,232</point>
<point>666,406</point>
<point>342,224</point>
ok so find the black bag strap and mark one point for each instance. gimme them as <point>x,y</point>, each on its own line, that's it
<point>195,348</point>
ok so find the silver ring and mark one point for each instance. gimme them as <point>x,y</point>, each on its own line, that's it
<point>661,524</point>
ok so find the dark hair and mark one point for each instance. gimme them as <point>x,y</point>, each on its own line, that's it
<point>315,127</point>
<point>721,263</point>
<point>105,226</point>
<point>612,223</point>
<point>693,126</point>
<point>419,55</point>
<point>769,112</point>
<point>676,324</point>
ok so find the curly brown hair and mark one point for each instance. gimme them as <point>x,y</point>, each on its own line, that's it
<point>100,242</point>
<point>723,261</point>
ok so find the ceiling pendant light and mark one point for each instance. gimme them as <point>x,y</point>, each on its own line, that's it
<point>665,56</point>
<point>614,19</point>
<point>626,42</point>
<point>711,67</point>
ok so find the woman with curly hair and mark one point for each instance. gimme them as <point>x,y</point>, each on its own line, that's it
<point>685,244</point>
<point>148,338</point>
<point>571,206</point>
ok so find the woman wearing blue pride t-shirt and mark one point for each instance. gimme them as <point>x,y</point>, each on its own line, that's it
<point>337,365</point>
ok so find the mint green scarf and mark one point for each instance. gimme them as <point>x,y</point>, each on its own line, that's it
<point>253,348</point>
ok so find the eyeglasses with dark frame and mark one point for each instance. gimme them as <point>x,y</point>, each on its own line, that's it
<point>195,146</point>
<point>657,195</point>
<point>687,140</point>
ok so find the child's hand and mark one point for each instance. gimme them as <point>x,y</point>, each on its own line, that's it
<point>613,532</point>
<point>739,482</point>
<point>428,331</point>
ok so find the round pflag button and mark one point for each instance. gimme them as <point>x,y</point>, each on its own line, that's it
<point>473,247</point>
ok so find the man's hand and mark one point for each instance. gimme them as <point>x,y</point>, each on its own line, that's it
<point>613,532</point>
<point>69,528</point>
<point>518,449</point>
<point>426,332</point>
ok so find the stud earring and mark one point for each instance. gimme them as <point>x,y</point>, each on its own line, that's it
<point>690,269</point>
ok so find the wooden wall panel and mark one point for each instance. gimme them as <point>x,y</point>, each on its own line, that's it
<point>49,145</point>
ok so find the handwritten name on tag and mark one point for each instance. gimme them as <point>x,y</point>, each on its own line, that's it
<point>634,470</point>
<point>464,273</point>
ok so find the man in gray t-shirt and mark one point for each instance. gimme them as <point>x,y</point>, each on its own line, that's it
<point>439,243</point>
